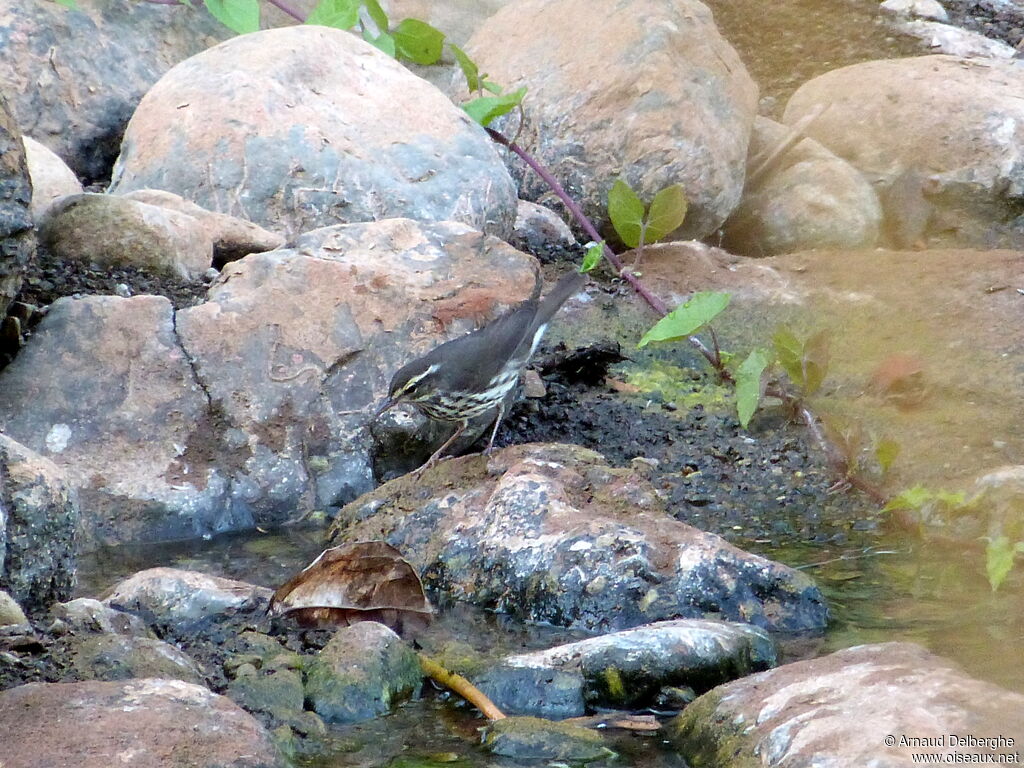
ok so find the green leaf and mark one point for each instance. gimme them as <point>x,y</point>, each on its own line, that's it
<point>239,16</point>
<point>687,319</point>
<point>489,86</point>
<point>468,67</point>
<point>593,256</point>
<point>340,14</point>
<point>626,211</point>
<point>68,4</point>
<point>379,16</point>
<point>912,498</point>
<point>886,452</point>
<point>418,41</point>
<point>815,361</point>
<point>999,555</point>
<point>486,108</point>
<point>789,352</point>
<point>668,209</point>
<point>383,41</point>
<point>748,384</point>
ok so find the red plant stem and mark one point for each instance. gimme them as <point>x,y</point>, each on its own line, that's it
<point>588,226</point>
<point>280,4</point>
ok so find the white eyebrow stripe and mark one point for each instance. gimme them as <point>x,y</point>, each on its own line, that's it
<point>419,376</point>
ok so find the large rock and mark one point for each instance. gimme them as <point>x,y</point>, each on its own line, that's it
<point>338,131</point>
<point>971,167</point>
<point>551,533</point>
<point>252,408</point>
<point>38,526</point>
<point>105,391</point>
<point>872,705</point>
<point>294,348</point>
<point>802,199</point>
<point>78,105</point>
<point>141,722</point>
<point>645,89</point>
<point>17,243</point>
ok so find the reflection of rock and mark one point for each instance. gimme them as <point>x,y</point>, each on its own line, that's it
<point>551,533</point>
<point>840,710</point>
<point>594,112</point>
<point>306,126</point>
<point>96,724</point>
<point>628,669</point>
<point>38,526</point>
<point>973,165</point>
<point>809,198</point>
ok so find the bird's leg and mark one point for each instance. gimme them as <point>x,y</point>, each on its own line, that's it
<point>437,454</point>
<point>494,432</point>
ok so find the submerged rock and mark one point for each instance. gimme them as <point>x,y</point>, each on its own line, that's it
<point>552,533</point>
<point>861,706</point>
<point>38,528</point>
<point>531,738</point>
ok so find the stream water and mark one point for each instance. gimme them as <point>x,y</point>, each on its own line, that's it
<point>881,588</point>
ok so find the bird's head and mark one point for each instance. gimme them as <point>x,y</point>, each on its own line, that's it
<point>412,383</point>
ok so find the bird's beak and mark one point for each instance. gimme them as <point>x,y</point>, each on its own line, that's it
<point>388,403</point>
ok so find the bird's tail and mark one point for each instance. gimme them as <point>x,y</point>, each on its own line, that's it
<point>567,286</point>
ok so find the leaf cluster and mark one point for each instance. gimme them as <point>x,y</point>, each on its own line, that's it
<point>637,224</point>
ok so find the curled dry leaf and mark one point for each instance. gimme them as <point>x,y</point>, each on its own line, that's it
<point>359,581</point>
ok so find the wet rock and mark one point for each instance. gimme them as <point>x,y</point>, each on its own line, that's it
<point>839,710</point>
<point>538,227</point>
<point>10,611</point>
<point>593,115</point>
<point>551,533</point>
<point>114,231</point>
<point>38,521</point>
<point>945,38</point>
<point>51,178</point>
<point>530,738</point>
<point>85,614</point>
<point>369,141</point>
<point>100,724</point>
<point>173,595</point>
<point>17,242</point>
<point>78,105</point>
<point>363,672</point>
<point>806,198</point>
<point>105,392</point>
<point>121,657</point>
<point>925,9</point>
<point>277,694</point>
<point>232,238</point>
<point>628,670</point>
<point>971,167</point>
<point>539,690</point>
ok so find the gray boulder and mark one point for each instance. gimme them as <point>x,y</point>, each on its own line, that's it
<point>339,132</point>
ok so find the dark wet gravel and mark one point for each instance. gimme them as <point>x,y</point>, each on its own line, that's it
<point>763,487</point>
<point>1002,21</point>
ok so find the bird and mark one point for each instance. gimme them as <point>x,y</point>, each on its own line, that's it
<point>473,374</point>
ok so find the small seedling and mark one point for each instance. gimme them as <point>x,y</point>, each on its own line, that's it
<point>638,225</point>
